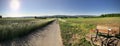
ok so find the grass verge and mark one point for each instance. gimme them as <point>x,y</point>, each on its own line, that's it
<point>74,30</point>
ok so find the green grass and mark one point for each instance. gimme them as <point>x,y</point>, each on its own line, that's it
<point>13,28</point>
<point>74,30</point>
<point>114,21</point>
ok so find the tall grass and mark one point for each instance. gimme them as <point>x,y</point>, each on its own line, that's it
<point>74,34</point>
<point>74,30</point>
<point>12,28</point>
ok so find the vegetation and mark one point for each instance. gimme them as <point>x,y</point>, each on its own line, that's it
<point>74,30</point>
<point>0,16</point>
<point>110,15</point>
<point>12,28</point>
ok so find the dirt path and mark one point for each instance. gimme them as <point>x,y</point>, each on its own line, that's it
<point>47,36</point>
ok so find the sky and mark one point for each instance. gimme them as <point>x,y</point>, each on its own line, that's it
<point>18,8</point>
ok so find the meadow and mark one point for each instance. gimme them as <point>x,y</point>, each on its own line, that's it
<point>74,30</point>
<point>11,28</point>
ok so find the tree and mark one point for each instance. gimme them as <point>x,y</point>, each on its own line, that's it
<point>0,16</point>
<point>35,17</point>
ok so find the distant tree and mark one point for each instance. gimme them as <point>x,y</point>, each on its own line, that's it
<point>35,17</point>
<point>110,15</point>
<point>0,16</point>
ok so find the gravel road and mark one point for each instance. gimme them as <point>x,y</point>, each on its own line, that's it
<point>47,36</point>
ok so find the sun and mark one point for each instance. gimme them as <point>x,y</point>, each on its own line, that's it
<point>14,8</point>
<point>15,5</point>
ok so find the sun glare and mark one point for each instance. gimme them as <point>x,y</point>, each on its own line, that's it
<point>14,4</point>
<point>14,7</point>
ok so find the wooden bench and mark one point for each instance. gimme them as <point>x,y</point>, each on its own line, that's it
<point>107,31</point>
<point>112,31</point>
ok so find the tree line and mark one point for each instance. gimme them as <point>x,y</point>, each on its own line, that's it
<point>110,15</point>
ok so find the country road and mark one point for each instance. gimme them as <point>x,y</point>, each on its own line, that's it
<point>47,36</point>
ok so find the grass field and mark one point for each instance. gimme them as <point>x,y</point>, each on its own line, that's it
<point>16,27</point>
<point>74,30</point>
